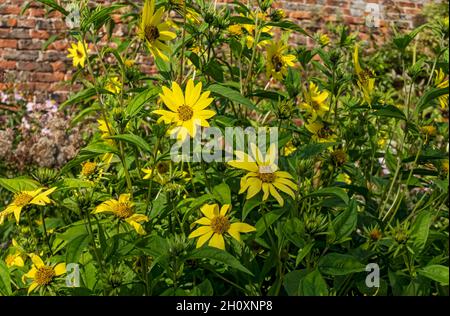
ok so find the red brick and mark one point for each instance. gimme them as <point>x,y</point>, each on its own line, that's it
<point>15,10</point>
<point>36,12</point>
<point>11,22</point>
<point>11,43</point>
<point>7,64</point>
<point>26,23</point>
<point>39,34</point>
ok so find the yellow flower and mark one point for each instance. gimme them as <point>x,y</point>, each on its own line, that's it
<point>187,111</point>
<point>106,158</point>
<point>277,62</point>
<point>343,177</point>
<point>42,274</point>
<point>235,29</point>
<point>215,225</point>
<point>15,258</point>
<point>123,209</point>
<point>263,174</point>
<point>321,132</point>
<point>114,85</point>
<point>289,148</point>
<point>24,198</point>
<point>315,104</point>
<point>129,63</point>
<point>324,40</point>
<point>91,171</point>
<point>249,30</point>
<point>366,79</point>
<point>444,167</point>
<point>429,130</point>
<point>155,32</point>
<point>441,83</point>
<point>78,54</point>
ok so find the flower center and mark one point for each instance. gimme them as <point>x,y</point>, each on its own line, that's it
<point>79,53</point>
<point>88,168</point>
<point>366,75</point>
<point>151,33</point>
<point>44,275</point>
<point>277,62</point>
<point>185,112</point>
<point>324,132</point>
<point>22,199</point>
<point>267,177</point>
<point>162,167</point>
<point>124,210</point>
<point>220,224</point>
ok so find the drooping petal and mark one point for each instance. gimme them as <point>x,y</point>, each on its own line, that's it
<point>32,287</point>
<point>203,239</point>
<point>217,241</point>
<point>284,188</point>
<point>255,185</point>
<point>242,227</point>
<point>287,182</point>
<point>17,210</point>
<point>276,195</point>
<point>257,154</point>
<point>265,188</point>
<point>137,227</point>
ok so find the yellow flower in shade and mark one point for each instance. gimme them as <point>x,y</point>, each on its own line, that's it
<point>289,148</point>
<point>78,54</point>
<point>154,31</point>
<point>444,167</point>
<point>249,30</point>
<point>324,40</point>
<point>15,258</point>
<point>343,177</point>
<point>321,132</point>
<point>24,198</point>
<point>215,224</point>
<point>429,130</point>
<point>186,111</point>
<point>129,63</point>
<point>440,82</point>
<point>103,128</point>
<point>366,78</point>
<point>235,29</point>
<point>114,85</point>
<point>42,274</point>
<point>263,174</point>
<point>123,209</point>
<point>277,61</point>
<point>91,171</point>
<point>315,104</point>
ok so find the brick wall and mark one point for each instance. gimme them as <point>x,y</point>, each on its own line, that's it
<point>26,68</point>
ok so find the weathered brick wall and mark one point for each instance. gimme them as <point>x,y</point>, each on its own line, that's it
<point>27,68</point>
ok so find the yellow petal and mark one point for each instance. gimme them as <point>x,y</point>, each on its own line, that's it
<point>37,261</point>
<point>265,188</point>
<point>124,198</point>
<point>284,188</point>
<point>17,211</point>
<point>137,227</point>
<point>210,210</point>
<point>32,287</point>
<point>276,195</point>
<point>242,227</point>
<point>60,269</point>
<point>255,185</point>
<point>203,221</point>
<point>257,154</point>
<point>203,239</point>
<point>224,209</point>
<point>287,182</point>
<point>217,241</point>
<point>200,231</point>
<point>192,93</point>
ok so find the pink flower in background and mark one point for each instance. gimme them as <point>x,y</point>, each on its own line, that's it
<point>3,97</point>
<point>30,106</point>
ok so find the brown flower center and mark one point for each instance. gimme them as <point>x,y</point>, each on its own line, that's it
<point>324,132</point>
<point>366,75</point>
<point>162,167</point>
<point>375,234</point>
<point>185,112</point>
<point>267,177</point>
<point>124,210</point>
<point>79,53</point>
<point>22,199</point>
<point>277,63</point>
<point>220,224</point>
<point>151,33</point>
<point>44,275</point>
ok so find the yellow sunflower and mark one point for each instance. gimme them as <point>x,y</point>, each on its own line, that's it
<point>215,225</point>
<point>440,82</point>
<point>187,111</point>
<point>321,131</point>
<point>277,61</point>
<point>315,104</point>
<point>123,209</point>
<point>24,198</point>
<point>154,32</point>
<point>42,274</point>
<point>113,85</point>
<point>366,78</point>
<point>78,54</point>
<point>15,258</point>
<point>263,174</point>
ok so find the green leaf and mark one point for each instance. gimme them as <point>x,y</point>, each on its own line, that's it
<point>250,205</point>
<point>75,183</point>
<point>133,139</point>
<point>231,95</point>
<point>345,223</point>
<point>219,256</point>
<point>292,280</point>
<point>436,273</point>
<point>338,192</point>
<point>99,17</point>
<point>76,246</point>
<point>79,97</point>
<point>312,150</point>
<point>270,218</point>
<point>48,42</point>
<point>404,40</point>
<point>313,284</point>
<point>136,104</point>
<point>19,184</point>
<point>430,95</point>
<point>339,264</point>
<point>223,193</point>
<point>289,25</point>
<point>54,5</point>
<point>203,289</point>
<point>5,279</point>
<point>303,252</point>
<point>389,111</point>
<point>420,230</point>
<point>214,69</point>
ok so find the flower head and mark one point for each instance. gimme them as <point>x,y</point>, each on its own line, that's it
<point>366,78</point>
<point>315,104</point>
<point>321,131</point>
<point>441,82</point>
<point>41,273</point>
<point>123,209</point>
<point>263,174</point>
<point>277,61</point>
<point>15,258</point>
<point>187,110</point>
<point>114,85</point>
<point>24,198</point>
<point>78,53</point>
<point>155,32</point>
<point>215,224</point>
